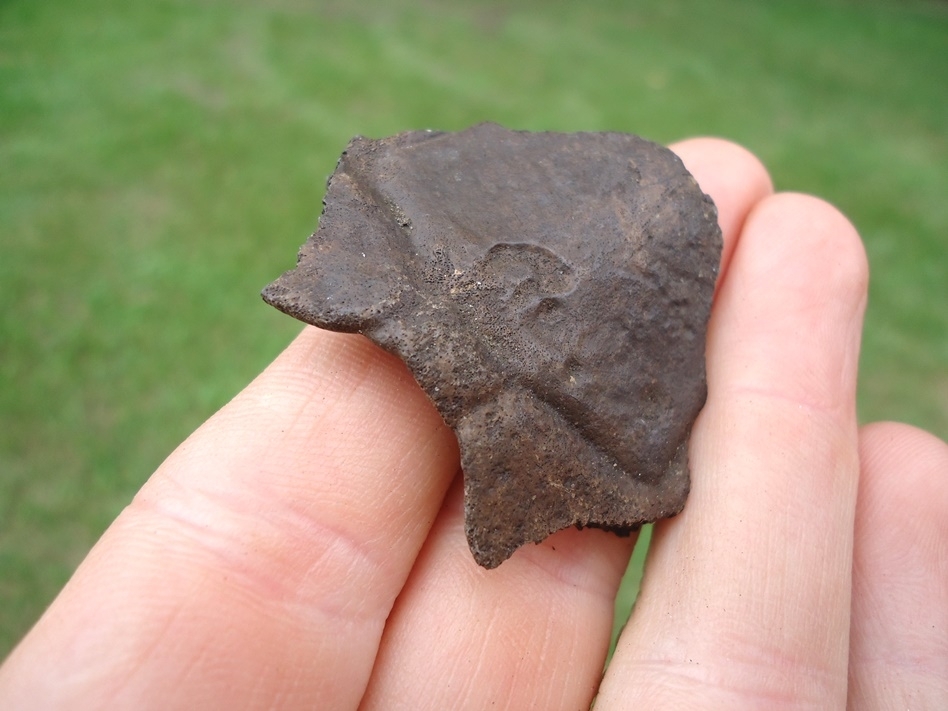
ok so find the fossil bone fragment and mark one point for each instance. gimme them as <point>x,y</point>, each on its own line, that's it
<point>550,292</point>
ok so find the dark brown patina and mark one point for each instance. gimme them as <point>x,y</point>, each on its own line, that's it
<point>550,292</point>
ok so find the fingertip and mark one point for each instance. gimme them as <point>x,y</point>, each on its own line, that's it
<point>822,230</point>
<point>788,317</point>
<point>904,468</point>
<point>728,159</point>
<point>900,571</point>
<point>735,178</point>
<point>897,440</point>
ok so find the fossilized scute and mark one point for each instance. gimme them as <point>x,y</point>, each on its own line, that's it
<point>550,292</point>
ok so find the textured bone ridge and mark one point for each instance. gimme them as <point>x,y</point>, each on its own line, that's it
<point>550,292</point>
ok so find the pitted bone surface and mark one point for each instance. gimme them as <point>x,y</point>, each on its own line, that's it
<point>550,292</point>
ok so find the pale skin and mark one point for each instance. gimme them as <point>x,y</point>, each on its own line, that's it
<point>305,549</point>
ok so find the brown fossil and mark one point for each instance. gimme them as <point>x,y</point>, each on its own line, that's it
<point>550,292</point>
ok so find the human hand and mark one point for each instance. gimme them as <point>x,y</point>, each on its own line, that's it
<point>305,547</point>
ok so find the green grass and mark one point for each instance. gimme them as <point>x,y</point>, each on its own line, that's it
<point>161,161</point>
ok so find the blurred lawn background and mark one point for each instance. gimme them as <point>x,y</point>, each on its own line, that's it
<point>161,161</point>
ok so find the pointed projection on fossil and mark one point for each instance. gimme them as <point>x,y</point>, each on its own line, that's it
<point>550,292</point>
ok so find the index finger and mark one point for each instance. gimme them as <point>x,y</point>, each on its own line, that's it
<point>259,563</point>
